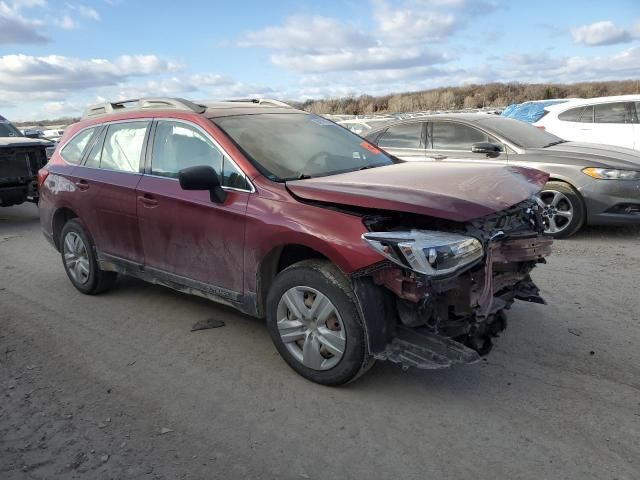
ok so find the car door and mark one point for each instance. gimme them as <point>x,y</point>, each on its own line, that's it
<point>106,183</point>
<point>184,233</point>
<point>613,124</point>
<point>451,141</point>
<point>404,140</point>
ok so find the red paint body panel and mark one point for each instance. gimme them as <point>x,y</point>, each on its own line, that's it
<point>187,234</point>
<point>275,219</point>
<point>459,192</point>
<point>107,206</point>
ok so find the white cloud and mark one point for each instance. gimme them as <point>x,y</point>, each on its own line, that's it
<point>88,12</point>
<point>66,22</point>
<point>24,73</point>
<point>601,33</point>
<point>410,25</point>
<point>308,33</point>
<point>15,28</point>
<point>374,58</point>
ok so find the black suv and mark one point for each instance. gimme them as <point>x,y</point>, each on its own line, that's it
<point>20,160</point>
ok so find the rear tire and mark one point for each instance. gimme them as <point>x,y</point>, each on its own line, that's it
<point>564,212</point>
<point>321,336</point>
<point>80,263</point>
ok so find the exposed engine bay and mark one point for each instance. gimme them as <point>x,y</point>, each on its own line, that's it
<point>451,282</point>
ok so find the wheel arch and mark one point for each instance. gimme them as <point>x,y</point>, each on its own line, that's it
<point>276,260</point>
<point>59,219</point>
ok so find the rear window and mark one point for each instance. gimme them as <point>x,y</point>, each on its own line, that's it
<point>571,115</point>
<point>529,112</point>
<point>74,149</point>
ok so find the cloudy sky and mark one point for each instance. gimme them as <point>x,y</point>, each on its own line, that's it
<point>56,56</point>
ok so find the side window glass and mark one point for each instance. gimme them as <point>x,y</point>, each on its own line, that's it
<point>587,115</point>
<point>122,148</point>
<point>73,150</point>
<point>636,112</point>
<point>455,136</point>
<point>93,159</point>
<point>232,177</point>
<point>177,145</point>
<point>407,135</point>
<point>572,115</point>
<point>612,113</point>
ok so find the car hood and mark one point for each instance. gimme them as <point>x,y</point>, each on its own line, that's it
<point>591,155</point>
<point>23,142</point>
<point>452,191</point>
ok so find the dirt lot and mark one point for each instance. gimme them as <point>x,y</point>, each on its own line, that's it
<point>117,386</point>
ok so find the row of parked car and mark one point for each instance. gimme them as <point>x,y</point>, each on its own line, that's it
<point>408,245</point>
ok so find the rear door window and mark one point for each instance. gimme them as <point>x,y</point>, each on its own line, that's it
<point>406,135</point>
<point>571,115</point>
<point>74,149</point>
<point>618,112</point>
<point>457,136</point>
<point>123,144</point>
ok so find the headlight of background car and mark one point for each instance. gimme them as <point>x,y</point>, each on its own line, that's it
<point>611,174</point>
<point>434,254</point>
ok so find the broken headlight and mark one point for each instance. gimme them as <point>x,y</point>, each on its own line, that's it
<point>431,253</point>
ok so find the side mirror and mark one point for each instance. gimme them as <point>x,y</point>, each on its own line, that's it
<point>202,177</point>
<point>491,149</point>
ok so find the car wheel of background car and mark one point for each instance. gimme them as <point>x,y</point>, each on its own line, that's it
<point>80,263</point>
<point>563,211</point>
<point>314,322</point>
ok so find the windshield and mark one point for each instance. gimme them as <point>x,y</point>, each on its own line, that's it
<point>286,146</point>
<point>519,133</point>
<point>8,130</point>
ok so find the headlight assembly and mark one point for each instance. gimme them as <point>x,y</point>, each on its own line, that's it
<point>611,174</point>
<point>435,254</point>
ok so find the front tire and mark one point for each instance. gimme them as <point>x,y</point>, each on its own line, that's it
<point>79,260</point>
<point>564,211</point>
<point>315,325</point>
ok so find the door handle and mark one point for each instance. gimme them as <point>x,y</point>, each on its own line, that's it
<point>438,157</point>
<point>82,185</point>
<point>148,201</point>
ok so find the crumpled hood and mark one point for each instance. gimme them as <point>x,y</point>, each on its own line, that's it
<point>452,191</point>
<point>591,155</point>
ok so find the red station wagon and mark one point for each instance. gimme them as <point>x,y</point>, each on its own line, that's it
<point>350,254</point>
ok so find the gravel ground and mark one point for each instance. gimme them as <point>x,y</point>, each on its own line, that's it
<point>117,386</point>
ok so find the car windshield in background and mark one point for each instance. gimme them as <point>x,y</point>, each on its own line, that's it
<point>521,134</point>
<point>8,130</point>
<point>286,146</point>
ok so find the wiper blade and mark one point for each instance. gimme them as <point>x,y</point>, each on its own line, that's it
<point>555,143</point>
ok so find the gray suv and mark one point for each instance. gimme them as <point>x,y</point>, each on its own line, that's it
<point>589,183</point>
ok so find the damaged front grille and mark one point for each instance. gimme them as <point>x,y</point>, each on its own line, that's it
<point>468,307</point>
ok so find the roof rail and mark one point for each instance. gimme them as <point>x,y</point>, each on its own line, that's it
<point>140,104</point>
<point>263,101</point>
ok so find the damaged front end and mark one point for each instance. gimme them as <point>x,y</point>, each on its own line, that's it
<point>447,284</point>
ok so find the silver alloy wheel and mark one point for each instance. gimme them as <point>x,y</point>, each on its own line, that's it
<point>557,211</point>
<point>311,328</point>
<point>76,258</point>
